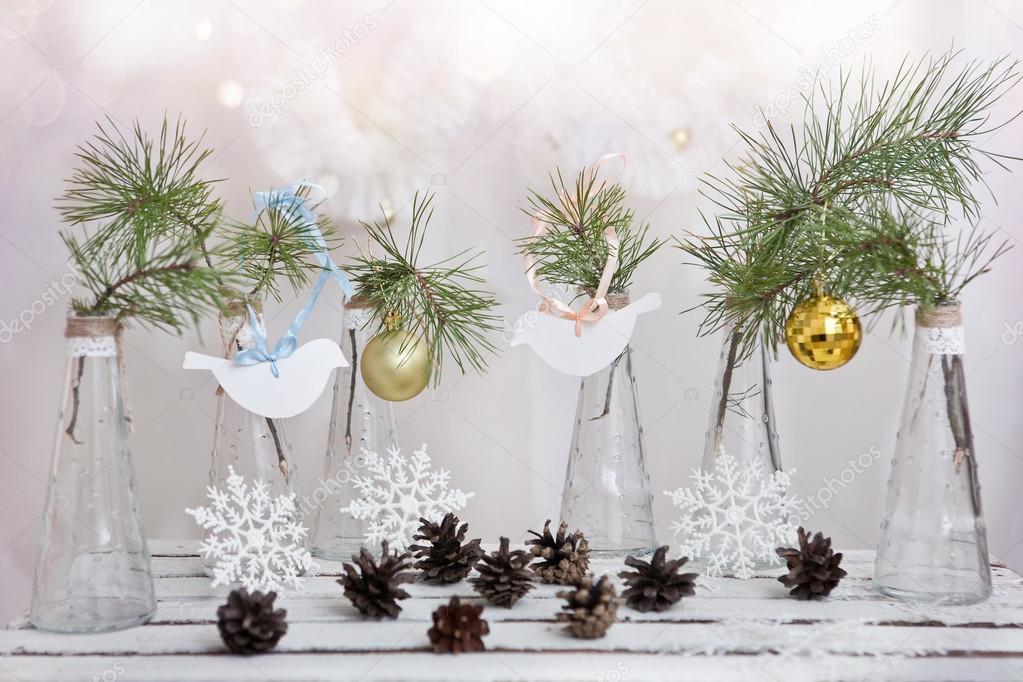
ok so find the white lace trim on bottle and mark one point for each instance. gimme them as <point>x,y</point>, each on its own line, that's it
<point>942,340</point>
<point>92,347</point>
<point>356,318</point>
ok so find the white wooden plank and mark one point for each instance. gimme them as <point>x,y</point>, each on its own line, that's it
<point>694,610</point>
<point>1006,592</point>
<point>745,638</point>
<point>860,572</point>
<point>836,638</point>
<point>489,667</point>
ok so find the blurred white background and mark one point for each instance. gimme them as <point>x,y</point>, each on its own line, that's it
<point>477,101</point>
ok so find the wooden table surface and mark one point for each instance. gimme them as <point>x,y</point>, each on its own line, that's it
<point>731,630</point>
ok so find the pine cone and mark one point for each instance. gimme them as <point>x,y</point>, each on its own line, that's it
<point>458,628</point>
<point>813,568</point>
<point>375,588</point>
<point>504,577</point>
<point>445,559</point>
<point>249,624</point>
<point>591,607</point>
<point>657,585</point>
<point>563,560</point>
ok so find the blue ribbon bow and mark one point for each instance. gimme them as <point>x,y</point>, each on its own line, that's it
<point>289,202</point>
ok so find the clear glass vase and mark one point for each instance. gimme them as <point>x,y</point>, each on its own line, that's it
<point>933,546</point>
<point>256,447</point>
<point>607,489</point>
<point>359,420</point>
<point>741,425</point>
<point>92,572</point>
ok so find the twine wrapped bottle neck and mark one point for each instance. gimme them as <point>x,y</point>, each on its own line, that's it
<point>940,329</point>
<point>237,307</point>
<point>616,300</point>
<point>82,326</point>
<point>943,316</point>
<point>92,335</point>
<point>234,320</point>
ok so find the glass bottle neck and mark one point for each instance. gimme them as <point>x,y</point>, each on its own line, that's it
<point>92,336</point>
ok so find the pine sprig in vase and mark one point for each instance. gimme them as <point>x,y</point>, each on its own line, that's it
<point>824,202</point>
<point>439,305</point>
<point>136,214</point>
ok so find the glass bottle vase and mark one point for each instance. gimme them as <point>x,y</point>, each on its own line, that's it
<point>933,546</point>
<point>607,488</point>
<point>256,447</point>
<point>359,420</point>
<point>93,570</point>
<point>741,425</point>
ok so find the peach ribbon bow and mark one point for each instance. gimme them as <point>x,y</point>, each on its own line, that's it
<point>596,306</point>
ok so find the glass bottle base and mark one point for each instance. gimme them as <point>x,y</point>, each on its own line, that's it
<point>927,588</point>
<point>103,614</point>
<point>935,598</point>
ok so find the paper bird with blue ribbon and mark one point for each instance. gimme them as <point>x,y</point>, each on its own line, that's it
<point>286,379</point>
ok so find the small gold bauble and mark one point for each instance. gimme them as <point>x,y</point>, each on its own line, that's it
<point>823,332</point>
<point>396,365</point>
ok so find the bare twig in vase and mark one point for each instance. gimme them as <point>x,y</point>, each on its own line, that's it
<point>351,390</point>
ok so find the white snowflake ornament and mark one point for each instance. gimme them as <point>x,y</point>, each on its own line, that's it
<point>396,492</point>
<point>733,517</point>
<point>257,540</point>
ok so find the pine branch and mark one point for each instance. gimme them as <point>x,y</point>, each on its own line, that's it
<point>839,198</point>
<point>574,250</point>
<point>139,217</point>
<point>276,244</point>
<point>171,289</point>
<point>438,302</point>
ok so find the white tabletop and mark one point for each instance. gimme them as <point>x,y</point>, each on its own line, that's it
<point>731,630</point>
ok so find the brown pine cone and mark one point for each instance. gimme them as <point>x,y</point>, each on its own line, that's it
<point>375,588</point>
<point>813,568</point>
<point>592,608</point>
<point>458,628</point>
<point>445,559</point>
<point>249,624</point>
<point>657,585</point>
<point>563,560</point>
<point>504,576</point>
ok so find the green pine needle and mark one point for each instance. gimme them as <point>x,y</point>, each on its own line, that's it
<point>856,197</point>
<point>439,302</point>
<point>574,250</point>
<point>145,216</point>
<point>276,244</point>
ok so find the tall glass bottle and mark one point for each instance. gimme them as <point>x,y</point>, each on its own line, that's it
<point>933,546</point>
<point>256,447</point>
<point>359,420</point>
<point>607,488</point>
<point>741,425</point>
<point>92,572</point>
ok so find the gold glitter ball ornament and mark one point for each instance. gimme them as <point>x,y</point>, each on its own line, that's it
<point>823,332</point>
<point>395,365</point>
